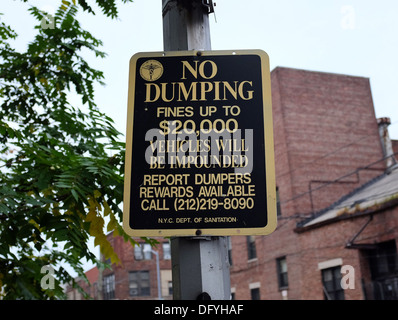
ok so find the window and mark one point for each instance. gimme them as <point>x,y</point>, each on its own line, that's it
<point>255,293</point>
<point>331,279</point>
<point>281,266</point>
<point>166,251</point>
<point>383,260</point>
<point>278,203</point>
<point>229,244</point>
<point>138,254</point>
<point>383,263</point>
<point>139,284</point>
<point>109,287</point>
<point>143,252</point>
<point>170,287</point>
<point>147,249</point>
<point>233,295</point>
<point>251,247</point>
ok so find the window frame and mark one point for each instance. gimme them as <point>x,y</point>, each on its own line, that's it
<point>140,253</point>
<point>255,294</point>
<point>109,286</point>
<point>337,292</point>
<point>278,203</point>
<point>283,279</point>
<point>142,291</point>
<point>166,251</point>
<point>251,248</point>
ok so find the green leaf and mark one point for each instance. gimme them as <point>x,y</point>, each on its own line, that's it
<point>75,195</point>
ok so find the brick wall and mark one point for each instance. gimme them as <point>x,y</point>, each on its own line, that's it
<point>126,253</point>
<point>324,129</point>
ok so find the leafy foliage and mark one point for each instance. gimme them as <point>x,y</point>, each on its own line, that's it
<point>61,168</point>
<point>108,7</point>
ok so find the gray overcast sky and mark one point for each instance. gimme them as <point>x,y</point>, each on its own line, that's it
<point>354,37</point>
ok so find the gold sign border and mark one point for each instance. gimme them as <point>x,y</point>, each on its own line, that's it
<point>269,148</point>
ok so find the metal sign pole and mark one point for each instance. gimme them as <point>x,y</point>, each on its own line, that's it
<point>200,266</point>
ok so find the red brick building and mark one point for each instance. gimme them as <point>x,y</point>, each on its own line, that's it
<point>337,209</point>
<point>334,207</point>
<point>91,289</point>
<point>136,278</point>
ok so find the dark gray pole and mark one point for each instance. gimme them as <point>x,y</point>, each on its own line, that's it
<point>200,265</point>
<point>185,25</point>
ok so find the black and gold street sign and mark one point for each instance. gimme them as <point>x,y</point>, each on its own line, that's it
<point>199,144</point>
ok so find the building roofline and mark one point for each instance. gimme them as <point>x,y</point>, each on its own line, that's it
<point>388,202</point>
<point>319,72</point>
<point>378,208</point>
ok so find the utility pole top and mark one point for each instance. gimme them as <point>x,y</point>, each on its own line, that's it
<point>186,24</point>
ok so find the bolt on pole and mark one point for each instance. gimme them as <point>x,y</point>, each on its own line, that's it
<point>200,266</point>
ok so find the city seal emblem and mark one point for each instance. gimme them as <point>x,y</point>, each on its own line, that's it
<point>151,70</point>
